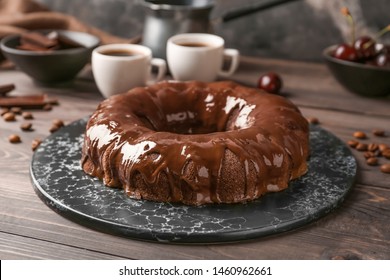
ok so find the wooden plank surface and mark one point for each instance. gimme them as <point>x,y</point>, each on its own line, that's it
<point>359,229</point>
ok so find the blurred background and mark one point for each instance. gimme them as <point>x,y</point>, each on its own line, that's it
<point>299,30</point>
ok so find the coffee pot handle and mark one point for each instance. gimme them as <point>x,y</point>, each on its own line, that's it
<point>235,57</point>
<point>251,9</point>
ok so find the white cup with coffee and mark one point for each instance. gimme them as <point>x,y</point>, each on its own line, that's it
<point>199,56</point>
<point>119,67</point>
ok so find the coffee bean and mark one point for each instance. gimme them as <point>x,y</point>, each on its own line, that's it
<point>361,147</point>
<point>378,132</point>
<point>385,168</point>
<point>26,126</point>
<point>14,138</point>
<point>3,111</point>
<point>57,122</point>
<point>359,135</point>
<point>368,154</point>
<point>27,116</point>
<point>372,161</point>
<point>54,128</point>
<point>372,147</point>
<point>382,147</point>
<point>386,153</point>
<point>35,144</point>
<point>313,120</point>
<point>9,117</point>
<point>47,107</point>
<point>352,143</point>
<point>16,110</point>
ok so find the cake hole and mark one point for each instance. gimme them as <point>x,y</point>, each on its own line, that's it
<point>147,122</point>
<point>185,126</point>
<point>197,119</point>
<point>230,124</point>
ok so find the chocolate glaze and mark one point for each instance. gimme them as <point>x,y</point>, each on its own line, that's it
<point>196,143</point>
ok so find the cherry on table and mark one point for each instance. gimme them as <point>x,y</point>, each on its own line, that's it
<point>270,82</point>
<point>346,52</point>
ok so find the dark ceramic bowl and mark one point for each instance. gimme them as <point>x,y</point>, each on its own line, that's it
<point>54,66</point>
<point>362,79</point>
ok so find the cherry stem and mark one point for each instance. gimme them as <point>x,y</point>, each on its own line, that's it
<point>368,44</point>
<point>382,32</point>
<point>377,36</point>
<point>347,14</point>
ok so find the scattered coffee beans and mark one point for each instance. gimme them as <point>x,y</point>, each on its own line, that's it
<point>3,111</point>
<point>382,147</point>
<point>9,117</point>
<point>53,128</point>
<point>386,153</point>
<point>35,144</point>
<point>378,132</point>
<point>352,143</point>
<point>26,126</point>
<point>372,147</point>
<point>369,154</point>
<point>14,138</point>
<point>47,107</point>
<point>372,161</point>
<point>16,110</point>
<point>27,116</point>
<point>372,151</point>
<point>359,135</point>
<point>313,120</point>
<point>362,147</point>
<point>9,114</point>
<point>385,168</point>
<point>57,122</point>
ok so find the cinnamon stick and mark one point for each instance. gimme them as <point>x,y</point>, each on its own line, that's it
<point>69,42</point>
<point>24,102</point>
<point>31,47</point>
<point>4,89</point>
<point>37,39</point>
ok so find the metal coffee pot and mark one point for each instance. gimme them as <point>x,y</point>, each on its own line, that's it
<point>165,18</point>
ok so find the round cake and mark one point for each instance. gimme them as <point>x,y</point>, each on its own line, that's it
<point>196,143</point>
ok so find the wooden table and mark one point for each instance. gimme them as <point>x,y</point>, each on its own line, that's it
<point>359,229</point>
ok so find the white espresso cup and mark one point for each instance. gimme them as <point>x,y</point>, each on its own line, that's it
<point>199,56</point>
<point>119,67</point>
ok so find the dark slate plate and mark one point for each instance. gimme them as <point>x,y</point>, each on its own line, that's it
<point>60,182</point>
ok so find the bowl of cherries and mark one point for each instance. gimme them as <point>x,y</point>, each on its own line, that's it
<point>363,66</point>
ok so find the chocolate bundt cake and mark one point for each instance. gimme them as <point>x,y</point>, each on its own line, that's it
<point>196,143</point>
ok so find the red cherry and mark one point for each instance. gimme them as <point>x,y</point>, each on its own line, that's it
<point>270,82</point>
<point>383,60</point>
<point>365,46</point>
<point>346,52</point>
<point>385,49</point>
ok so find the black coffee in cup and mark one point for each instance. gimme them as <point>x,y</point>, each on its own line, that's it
<point>194,44</point>
<point>120,53</point>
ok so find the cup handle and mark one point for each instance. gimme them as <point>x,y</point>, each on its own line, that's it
<point>162,68</point>
<point>235,55</point>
